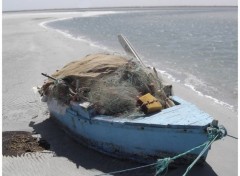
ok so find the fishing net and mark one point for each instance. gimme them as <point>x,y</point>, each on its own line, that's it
<point>111,83</point>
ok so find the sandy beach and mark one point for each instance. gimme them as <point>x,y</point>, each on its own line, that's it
<point>30,49</point>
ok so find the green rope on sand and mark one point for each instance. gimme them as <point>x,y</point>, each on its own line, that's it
<point>214,133</point>
<point>202,152</point>
<point>162,164</point>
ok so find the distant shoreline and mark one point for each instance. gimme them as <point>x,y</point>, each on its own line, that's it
<point>112,8</point>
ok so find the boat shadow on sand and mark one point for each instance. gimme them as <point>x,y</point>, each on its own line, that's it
<point>65,146</point>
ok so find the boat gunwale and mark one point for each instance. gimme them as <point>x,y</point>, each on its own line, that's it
<point>133,122</point>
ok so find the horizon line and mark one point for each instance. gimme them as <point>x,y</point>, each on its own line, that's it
<point>119,7</point>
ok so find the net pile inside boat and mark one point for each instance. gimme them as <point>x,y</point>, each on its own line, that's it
<point>111,83</point>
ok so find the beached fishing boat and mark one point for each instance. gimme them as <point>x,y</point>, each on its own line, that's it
<point>144,137</point>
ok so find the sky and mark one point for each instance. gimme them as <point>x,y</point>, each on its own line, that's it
<point>10,5</point>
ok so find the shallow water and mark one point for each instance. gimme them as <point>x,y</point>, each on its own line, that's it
<point>195,46</point>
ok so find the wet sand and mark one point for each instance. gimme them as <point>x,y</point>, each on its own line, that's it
<point>28,50</point>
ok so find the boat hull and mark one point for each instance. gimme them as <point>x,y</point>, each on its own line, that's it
<point>141,142</point>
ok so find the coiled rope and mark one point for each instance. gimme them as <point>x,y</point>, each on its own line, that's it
<point>214,133</point>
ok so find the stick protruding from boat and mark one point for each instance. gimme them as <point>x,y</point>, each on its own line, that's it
<point>129,49</point>
<point>46,75</point>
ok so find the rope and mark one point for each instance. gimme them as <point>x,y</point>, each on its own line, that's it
<point>232,136</point>
<point>214,133</point>
<point>203,151</point>
<point>162,164</point>
<point>126,170</point>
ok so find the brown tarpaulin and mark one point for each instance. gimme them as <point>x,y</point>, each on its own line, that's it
<point>91,66</point>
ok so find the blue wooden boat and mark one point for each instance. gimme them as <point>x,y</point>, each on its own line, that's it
<point>166,133</point>
<point>144,138</point>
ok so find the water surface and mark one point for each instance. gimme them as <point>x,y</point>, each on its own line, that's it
<point>197,46</point>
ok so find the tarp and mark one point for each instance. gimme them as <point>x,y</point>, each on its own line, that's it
<point>91,66</point>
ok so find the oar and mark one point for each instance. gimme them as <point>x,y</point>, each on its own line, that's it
<point>129,49</point>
